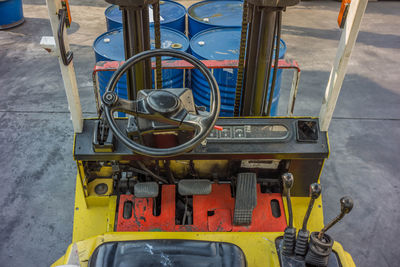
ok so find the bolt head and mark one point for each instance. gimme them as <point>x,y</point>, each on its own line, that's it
<point>288,180</point>
<point>346,204</point>
<point>315,190</point>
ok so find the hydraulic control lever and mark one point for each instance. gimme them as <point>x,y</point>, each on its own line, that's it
<point>320,246</point>
<point>346,205</point>
<point>289,236</point>
<point>303,234</point>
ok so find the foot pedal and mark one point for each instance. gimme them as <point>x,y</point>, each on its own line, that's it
<point>246,198</point>
<point>190,187</point>
<point>145,190</point>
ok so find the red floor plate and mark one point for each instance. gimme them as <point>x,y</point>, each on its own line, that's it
<point>219,201</point>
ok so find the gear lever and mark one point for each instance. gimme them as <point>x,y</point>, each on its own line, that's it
<point>289,237</point>
<point>320,246</point>
<point>303,234</point>
<point>346,205</point>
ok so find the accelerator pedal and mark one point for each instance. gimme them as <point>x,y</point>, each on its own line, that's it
<point>146,190</point>
<point>246,198</point>
<point>190,187</point>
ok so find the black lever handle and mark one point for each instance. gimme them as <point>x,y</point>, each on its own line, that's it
<point>289,236</point>
<point>346,205</point>
<point>65,56</point>
<point>315,192</point>
<point>303,234</point>
<point>288,180</point>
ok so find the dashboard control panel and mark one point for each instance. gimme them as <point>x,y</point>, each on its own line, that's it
<point>271,132</point>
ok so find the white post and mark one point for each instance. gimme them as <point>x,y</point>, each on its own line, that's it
<point>339,68</point>
<point>68,72</point>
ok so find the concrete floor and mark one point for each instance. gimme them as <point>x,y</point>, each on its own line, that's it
<point>38,172</point>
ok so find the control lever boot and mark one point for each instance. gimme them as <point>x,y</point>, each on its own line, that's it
<point>320,246</point>
<point>303,234</point>
<point>289,236</point>
<point>319,250</point>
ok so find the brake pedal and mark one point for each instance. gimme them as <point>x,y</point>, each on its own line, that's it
<point>146,190</point>
<point>246,198</point>
<point>190,187</point>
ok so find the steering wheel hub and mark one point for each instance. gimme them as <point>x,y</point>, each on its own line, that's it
<point>163,101</point>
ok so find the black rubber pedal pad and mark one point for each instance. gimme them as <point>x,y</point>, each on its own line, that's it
<point>146,190</point>
<point>246,198</point>
<point>190,187</point>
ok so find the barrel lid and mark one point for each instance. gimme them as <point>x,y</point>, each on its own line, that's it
<point>169,11</point>
<point>113,13</point>
<point>217,13</point>
<point>217,43</point>
<point>221,44</point>
<point>111,44</point>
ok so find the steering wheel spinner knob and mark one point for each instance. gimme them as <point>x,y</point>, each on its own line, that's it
<point>109,98</point>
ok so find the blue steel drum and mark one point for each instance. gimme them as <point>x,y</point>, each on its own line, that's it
<point>11,13</point>
<point>172,15</point>
<point>110,47</point>
<point>223,44</point>
<point>210,14</point>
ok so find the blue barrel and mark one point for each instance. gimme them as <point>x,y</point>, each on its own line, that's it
<point>223,44</point>
<point>210,14</point>
<point>11,13</point>
<point>110,47</point>
<point>172,15</point>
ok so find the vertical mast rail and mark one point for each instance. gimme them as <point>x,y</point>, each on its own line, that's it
<point>339,68</point>
<point>67,71</point>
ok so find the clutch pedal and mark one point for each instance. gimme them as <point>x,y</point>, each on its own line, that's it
<point>146,190</point>
<point>190,187</point>
<point>246,198</point>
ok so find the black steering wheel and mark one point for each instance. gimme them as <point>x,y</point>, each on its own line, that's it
<point>162,106</point>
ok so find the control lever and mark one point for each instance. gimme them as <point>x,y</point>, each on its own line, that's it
<point>289,236</point>
<point>346,205</point>
<point>321,244</point>
<point>303,234</point>
<point>103,138</point>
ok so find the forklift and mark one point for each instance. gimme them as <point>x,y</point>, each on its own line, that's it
<point>174,184</point>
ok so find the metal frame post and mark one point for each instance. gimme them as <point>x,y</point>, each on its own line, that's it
<point>67,71</point>
<point>339,68</point>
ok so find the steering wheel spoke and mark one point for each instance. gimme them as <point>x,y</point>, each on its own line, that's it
<point>194,121</point>
<point>132,107</point>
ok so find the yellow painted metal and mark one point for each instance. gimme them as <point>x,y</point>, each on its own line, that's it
<point>92,185</point>
<point>299,207</point>
<point>94,225</point>
<point>93,215</point>
<point>259,248</point>
<point>61,261</point>
<point>204,168</point>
